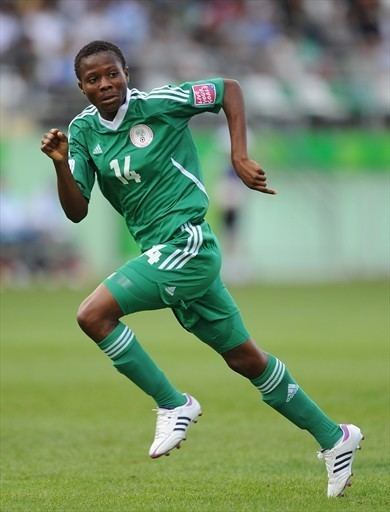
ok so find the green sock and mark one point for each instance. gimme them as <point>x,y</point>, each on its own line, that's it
<point>281,392</point>
<point>129,358</point>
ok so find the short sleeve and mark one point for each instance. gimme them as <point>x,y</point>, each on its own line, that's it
<point>196,97</point>
<point>79,161</point>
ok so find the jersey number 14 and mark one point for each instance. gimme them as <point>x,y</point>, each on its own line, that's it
<point>127,175</point>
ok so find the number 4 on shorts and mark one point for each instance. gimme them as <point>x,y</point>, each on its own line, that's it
<point>154,253</point>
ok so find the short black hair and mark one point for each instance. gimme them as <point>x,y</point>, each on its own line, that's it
<point>97,47</point>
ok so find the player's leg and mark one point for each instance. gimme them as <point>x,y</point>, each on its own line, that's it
<point>140,285</point>
<point>280,390</point>
<point>98,316</point>
<point>229,337</point>
<point>181,270</point>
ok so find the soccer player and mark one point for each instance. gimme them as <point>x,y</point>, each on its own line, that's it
<point>139,148</point>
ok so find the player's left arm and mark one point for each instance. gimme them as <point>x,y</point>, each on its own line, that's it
<point>248,170</point>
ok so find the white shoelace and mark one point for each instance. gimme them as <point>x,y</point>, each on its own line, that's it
<point>164,416</point>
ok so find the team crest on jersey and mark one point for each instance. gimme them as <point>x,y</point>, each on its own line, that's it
<point>141,135</point>
<point>204,94</point>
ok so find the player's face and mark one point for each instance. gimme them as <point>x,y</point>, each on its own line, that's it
<point>104,81</point>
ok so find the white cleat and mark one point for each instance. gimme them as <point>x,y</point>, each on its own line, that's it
<point>172,426</point>
<point>338,460</point>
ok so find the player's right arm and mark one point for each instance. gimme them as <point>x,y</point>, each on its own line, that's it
<point>55,145</point>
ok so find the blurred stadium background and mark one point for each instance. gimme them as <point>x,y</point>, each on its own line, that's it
<point>313,260</point>
<point>316,77</point>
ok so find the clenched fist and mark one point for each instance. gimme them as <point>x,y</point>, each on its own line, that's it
<point>55,145</point>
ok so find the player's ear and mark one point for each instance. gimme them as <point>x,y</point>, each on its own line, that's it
<point>126,71</point>
<point>80,87</point>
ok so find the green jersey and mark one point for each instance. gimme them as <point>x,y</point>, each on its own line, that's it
<point>145,160</point>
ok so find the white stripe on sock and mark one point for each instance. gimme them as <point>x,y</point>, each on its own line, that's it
<point>271,377</point>
<point>117,342</point>
<point>278,377</point>
<point>124,345</point>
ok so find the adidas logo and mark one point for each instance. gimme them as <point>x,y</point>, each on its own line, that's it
<point>170,290</point>
<point>98,150</point>
<point>291,391</point>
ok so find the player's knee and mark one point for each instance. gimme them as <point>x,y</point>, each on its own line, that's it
<point>98,314</point>
<point>87,316</point>
<point>95,319</point>
<point>246,359</point>
<point>234,364</point>
<point>241,365</point>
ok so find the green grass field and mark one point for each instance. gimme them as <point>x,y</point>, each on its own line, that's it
<point>75,434</point>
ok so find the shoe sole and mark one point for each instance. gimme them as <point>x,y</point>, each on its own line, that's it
<point>178,445</point>
<point>348,483</point>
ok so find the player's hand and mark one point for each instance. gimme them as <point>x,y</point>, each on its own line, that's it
<point>252,175</point>
<point>55,145</point>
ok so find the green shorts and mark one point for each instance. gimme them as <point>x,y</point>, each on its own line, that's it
<point>183,274</point>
